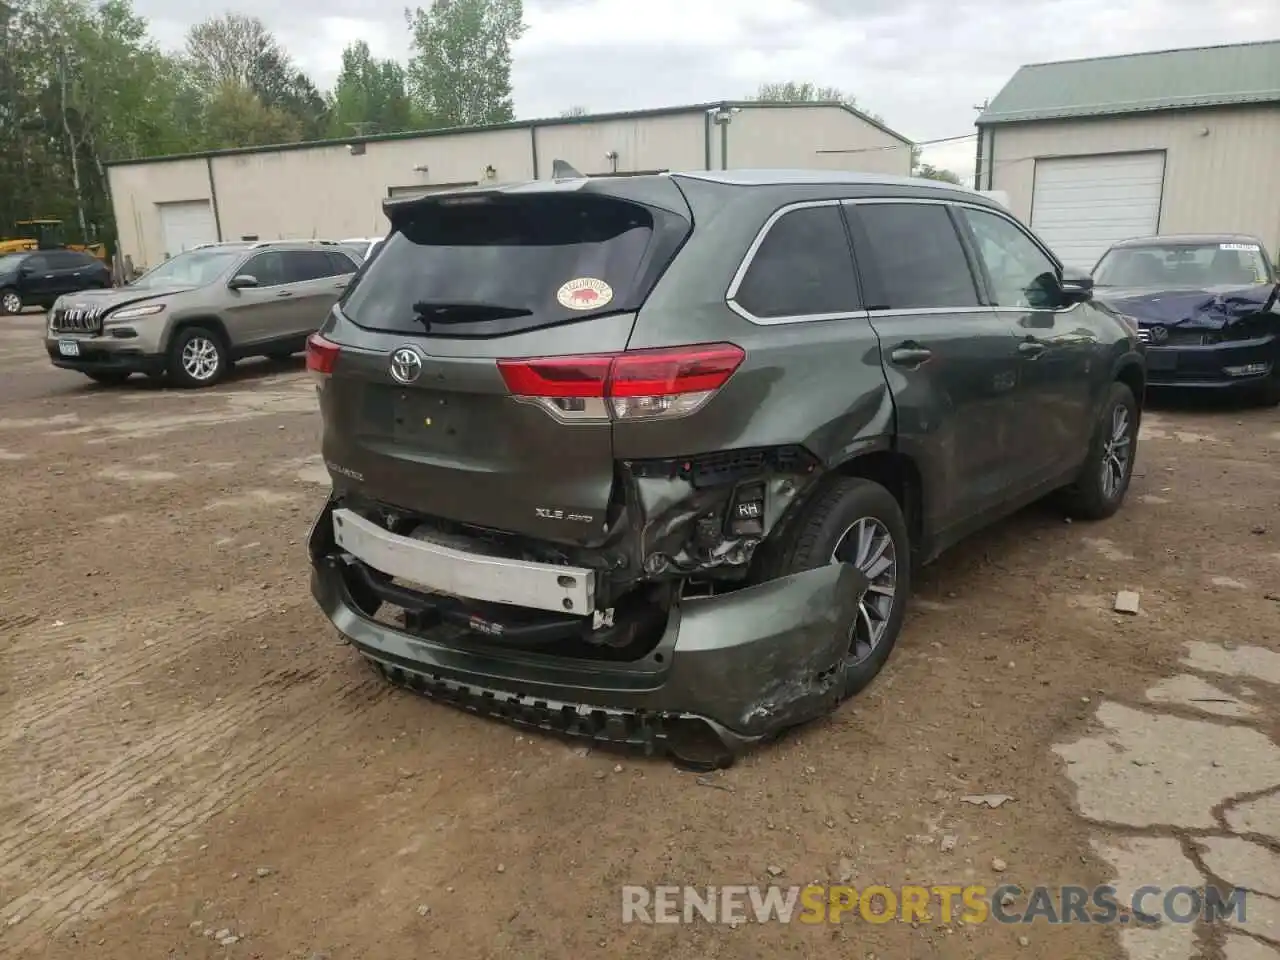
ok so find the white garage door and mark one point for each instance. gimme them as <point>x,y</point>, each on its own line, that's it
<point>185,224</point>
<point>1082,205</point>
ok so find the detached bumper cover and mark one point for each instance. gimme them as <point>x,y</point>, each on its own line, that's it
<point>729,670</point>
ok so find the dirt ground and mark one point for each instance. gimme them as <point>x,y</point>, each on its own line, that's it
<point>187,754</point>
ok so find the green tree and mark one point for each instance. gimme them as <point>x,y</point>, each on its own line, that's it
<point>370,95</point>
<point>235,116</point>
<point>460,69</point>
<point>930,172</point>
<point>793,92</point>
<point>236,50</point>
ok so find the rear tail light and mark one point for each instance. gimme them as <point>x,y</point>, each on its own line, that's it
<point>637,385</point>
<point>322,354</point>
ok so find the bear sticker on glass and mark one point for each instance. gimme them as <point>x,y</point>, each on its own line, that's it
<point>585,293</point>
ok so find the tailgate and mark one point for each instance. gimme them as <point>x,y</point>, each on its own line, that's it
<point>417,413</point>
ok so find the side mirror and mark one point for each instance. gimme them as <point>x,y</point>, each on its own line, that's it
<point>25,270</point>
<point>1076,287</point>
<point>242,281</point>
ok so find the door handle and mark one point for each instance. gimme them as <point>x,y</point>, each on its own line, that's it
<point>907,356</point>
<point>285,293</point>
<point>1031,348</point>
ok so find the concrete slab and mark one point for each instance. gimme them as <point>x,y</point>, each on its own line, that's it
<point>1261,917</point>
<point>1255,662</point>
<point>1149,769</point>
<point>1256,816</point>
<point>1188,690</point>
<point>1242,863</point>
<point>1244,948</point>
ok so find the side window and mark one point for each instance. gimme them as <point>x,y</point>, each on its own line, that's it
<point>38,263</point>
<point>802,268</point>
<point>1021,275</point>
<point>267,267</point>
<point>304,265</point>
<point>62,260</point>
<point>918,257</point>
<point>340,264</point>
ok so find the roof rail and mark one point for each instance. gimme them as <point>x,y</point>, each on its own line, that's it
<point>303,240</point>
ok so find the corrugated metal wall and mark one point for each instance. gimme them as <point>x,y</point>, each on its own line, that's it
<point>332,192</point>
<point>1221,171</point>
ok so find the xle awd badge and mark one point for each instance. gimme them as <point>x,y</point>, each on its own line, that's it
<point>406,365</point>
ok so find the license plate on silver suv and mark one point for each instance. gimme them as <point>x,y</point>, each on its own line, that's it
<point>68,348</point>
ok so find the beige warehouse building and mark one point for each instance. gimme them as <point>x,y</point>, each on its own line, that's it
<point>1094,151</point>
<point>335,189</point>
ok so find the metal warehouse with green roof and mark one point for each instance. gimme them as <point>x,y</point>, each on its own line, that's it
<point>334,189</point>
<point>1177,141</point>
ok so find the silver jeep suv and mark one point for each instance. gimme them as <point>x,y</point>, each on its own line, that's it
<point>193,316</point>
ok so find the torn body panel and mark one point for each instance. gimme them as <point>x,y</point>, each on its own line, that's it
<point>724,672</point>
<point>675,520</point>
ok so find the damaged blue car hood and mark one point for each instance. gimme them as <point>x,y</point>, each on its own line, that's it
<point>1206,308</point>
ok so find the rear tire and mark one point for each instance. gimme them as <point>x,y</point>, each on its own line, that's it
<point>1104,479</point>
<point>851,510</point>
<point>108,378</point>
<point>197,358</point>
<point>10,301</point>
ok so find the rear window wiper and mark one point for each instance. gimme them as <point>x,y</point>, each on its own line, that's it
<point>461,311</point>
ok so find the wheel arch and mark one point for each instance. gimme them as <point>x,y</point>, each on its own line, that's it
<point>1129,371</point>
<point>897,473</point>
<point>210,322</point>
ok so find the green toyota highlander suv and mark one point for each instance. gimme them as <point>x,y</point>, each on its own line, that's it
<point>197,313</point>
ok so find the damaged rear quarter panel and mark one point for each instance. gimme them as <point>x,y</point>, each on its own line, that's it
<point>769,656</point>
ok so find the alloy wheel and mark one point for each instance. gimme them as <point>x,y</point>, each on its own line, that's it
<point>1116,452</point>
<point>12,303</point>
<point>868,545</point>
<point>200,358</point>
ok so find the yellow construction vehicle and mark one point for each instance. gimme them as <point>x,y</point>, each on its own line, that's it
<point>47,235</point>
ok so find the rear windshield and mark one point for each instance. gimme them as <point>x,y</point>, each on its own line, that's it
<point>1183,265</point>
<point>493,267</point>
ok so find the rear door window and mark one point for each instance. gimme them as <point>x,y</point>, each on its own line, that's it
<point>492,266</point>
<point>340,264</point>
<point>304,265</point>
<point>919,262</point>
<point>802,268</point>
<point>267,268</point>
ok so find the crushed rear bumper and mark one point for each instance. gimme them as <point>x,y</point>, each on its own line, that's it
<point>728,671</point>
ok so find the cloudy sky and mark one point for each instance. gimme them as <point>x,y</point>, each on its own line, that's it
<point>921,64</point>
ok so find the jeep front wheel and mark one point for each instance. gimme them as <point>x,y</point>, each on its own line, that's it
<point>197,358</point>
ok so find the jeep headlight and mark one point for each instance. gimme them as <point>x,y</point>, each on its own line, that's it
<point>135,313</point>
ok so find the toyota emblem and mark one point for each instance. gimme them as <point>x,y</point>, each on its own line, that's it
<point>406,365</point>
<point>1159,334</point>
